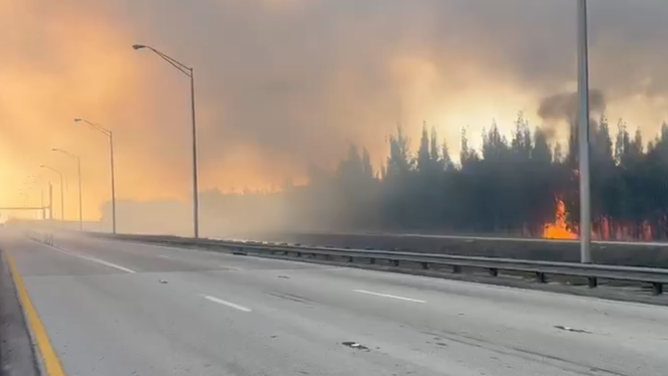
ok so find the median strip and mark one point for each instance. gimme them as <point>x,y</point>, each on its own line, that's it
<point>50,359</point>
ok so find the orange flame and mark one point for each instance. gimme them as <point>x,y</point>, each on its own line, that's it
<point>559,229</point>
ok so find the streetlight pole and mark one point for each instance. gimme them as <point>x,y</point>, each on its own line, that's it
<point>79,173</point>
<point>109,134</point>
<point>62,192</point>
<point>50,202</point>
<point>583,93</point>
<point>42,204</point>
<point>188,71</point>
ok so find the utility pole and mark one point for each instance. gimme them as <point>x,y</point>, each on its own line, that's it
<point>583,93</point>
<point>109,134</point>
<point>80,194</point>
<point>42,204</point>
<point>50,201</point>
<point>188,71</point>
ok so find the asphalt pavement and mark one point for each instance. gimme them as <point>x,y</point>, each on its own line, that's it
<point>114,308</point>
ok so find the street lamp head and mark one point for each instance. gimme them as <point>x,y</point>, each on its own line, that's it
<point>138,46</point>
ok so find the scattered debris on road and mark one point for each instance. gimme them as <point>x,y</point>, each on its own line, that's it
<point>163,281</point>
<point>355,345</point>
<point>569,329</point>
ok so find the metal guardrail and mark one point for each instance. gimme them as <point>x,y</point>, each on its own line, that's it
<point>657,278</point>
<point>505,239</point>
<point>42,237</point>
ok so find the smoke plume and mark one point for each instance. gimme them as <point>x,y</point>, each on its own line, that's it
<point>281,84</point>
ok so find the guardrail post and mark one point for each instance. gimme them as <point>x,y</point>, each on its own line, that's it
<point>395,262</point>
<point>372,261</point>
<point>350,258</point>
<point>592,282</point>
<point>657,288</point>
<point>425,265</point>
<point>493,272</point>
<point>456,269</point>
<point>541,277</point>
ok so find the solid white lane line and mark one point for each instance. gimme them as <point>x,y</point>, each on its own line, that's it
<point>226,303</point>
<point>390,296</point>
<point>93,259</point>
<point>166,257</point>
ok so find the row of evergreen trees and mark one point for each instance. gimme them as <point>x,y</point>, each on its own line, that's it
<point>509,186</point>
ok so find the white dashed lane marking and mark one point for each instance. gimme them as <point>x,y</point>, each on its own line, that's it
<point>390,296</point>
<point>226,303</point>
<point>93,259</point>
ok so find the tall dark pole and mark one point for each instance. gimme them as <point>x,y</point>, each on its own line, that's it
<point>62,192</point>
<point>583,93</point>
<point>62,200</point>
<point>109,134</point>
<point>194,140</point>
<point>113,184</point>
<point>42,204</point>
<point>50,201</point>
<point>78,159</point>
<point>188,71</point>
<point>80,194</point>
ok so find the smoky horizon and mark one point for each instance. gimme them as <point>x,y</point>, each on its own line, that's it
<point>299,104</point>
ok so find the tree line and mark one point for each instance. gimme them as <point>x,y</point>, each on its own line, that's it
<point>509,186</point>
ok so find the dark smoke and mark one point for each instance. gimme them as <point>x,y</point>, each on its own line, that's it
<point>282,84</point>
<point>564,106</point>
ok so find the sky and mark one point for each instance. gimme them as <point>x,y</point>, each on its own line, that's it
<point>281,84</point>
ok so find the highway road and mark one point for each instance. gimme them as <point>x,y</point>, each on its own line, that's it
<point>116,308</point>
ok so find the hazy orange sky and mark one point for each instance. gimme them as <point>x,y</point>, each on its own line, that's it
<point>284,83</point>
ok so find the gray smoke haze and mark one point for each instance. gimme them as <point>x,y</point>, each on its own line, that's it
<point>565,106</point>
<point>285,83</point>
<point>303,77</point>
<point>558,109</point>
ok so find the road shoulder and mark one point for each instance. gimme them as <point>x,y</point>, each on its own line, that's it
<point>17,353</point>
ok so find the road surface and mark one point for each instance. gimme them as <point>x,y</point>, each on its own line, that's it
<point>115,308</point>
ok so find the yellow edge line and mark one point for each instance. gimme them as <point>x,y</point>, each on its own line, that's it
<point>49,356</point>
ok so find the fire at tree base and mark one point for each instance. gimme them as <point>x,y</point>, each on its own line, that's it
<point>560,229</point>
